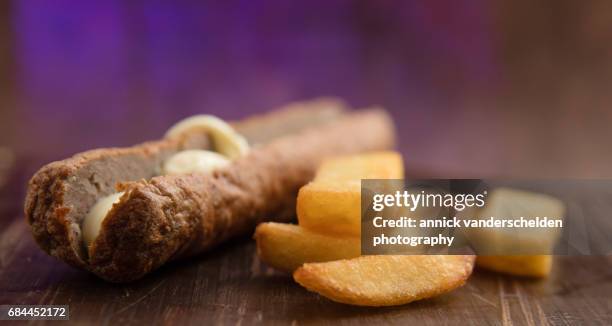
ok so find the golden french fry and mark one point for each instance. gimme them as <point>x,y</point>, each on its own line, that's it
<point>531,266</point>
<point>385,280</point>
<point>288,246</point>
<point>332,202</point>
<point>372,165</point>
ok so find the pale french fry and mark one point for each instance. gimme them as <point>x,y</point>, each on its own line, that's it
<point>385,280</point>
<point>288,246</point>
<point>332,202</point>
<point>531,266</point>
<point>518,243</point>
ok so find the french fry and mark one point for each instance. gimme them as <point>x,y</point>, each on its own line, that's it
<point>332,202</point>
<point>289,246</point>
<point>385,280</point>
<point>526,265</point>
<point>373,165</point>
<point>526,247</point>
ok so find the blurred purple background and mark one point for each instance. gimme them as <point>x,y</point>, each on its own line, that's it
<point>477,88</point>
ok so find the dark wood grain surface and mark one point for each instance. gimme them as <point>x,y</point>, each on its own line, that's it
<point>231,286</point>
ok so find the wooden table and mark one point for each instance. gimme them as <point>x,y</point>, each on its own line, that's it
<point>232,286</point>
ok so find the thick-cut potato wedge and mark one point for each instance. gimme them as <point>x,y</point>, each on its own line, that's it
<point>530,266</point>
<point>289,246</point>
<point>385,280</point>
<point>507,203</point>
<point>372,165</point>
<point>526,248</point>
<point>332,202</point>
